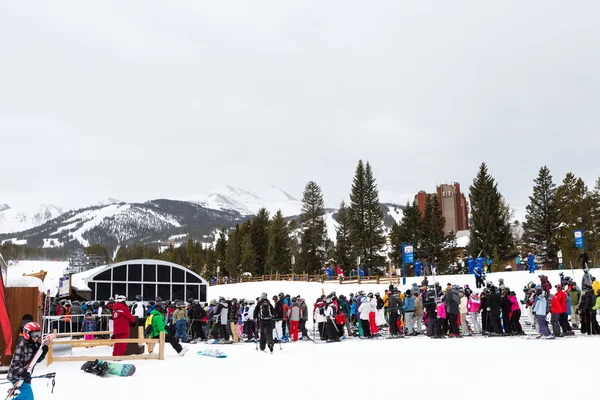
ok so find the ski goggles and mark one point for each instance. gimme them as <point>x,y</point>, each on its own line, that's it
<point>35,334</point>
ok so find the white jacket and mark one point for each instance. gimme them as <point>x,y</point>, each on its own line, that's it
<point>462,307</point>
<point>318,317</point>
<point>373,304</point>
<point>329,312</point>
<point>364,310</point>
<point>249,315</point>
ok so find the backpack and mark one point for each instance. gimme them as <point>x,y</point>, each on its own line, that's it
<point>322,310</point>
<point>148,325</point>
<point>265,311</point>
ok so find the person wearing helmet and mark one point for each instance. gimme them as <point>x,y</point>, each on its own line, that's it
<point>157,325</point>
<point>233,318</point>
<point>26,349</point>
<point>138,310</point>
<point>221,313</point>
<point>278,316</point>
<point>180,320</point>
<point>123,319</point>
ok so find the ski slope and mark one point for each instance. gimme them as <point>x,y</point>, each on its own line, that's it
<point>412,367</point>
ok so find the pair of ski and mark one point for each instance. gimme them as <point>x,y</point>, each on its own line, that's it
<point>13,391</point>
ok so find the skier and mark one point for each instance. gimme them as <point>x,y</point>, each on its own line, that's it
<point>319,319</point>
<point>32,334</point>
<point>233,316</point>
<point>464,325</point>
<point>583,257</point>
<point>452,302</point>
<point>180,320</point>
<point>493,308</point>
<point>221,313</point>
<point>418,267</point>
<point>393,308</point>
<point>506,306</point>
<point>418,314</point>
<point>333,334</point>
<point>473,306</point>
<point>515,315</point>
<point>295,315</point>
<point>575,298</point>
<point>278,316</point>
<point>122,320</point>
<point>365,311</point>
<point>303,319</point>
<point>471,264</point>
<point>139,310</point>
<point>563,318</point>
<point>157,325</point>
<point>197,315</point>
<point>540,310</point>
<point>531,263</point>
<point>263,313</point>
<point>373,314</point>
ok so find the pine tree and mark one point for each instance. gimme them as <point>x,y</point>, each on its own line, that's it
<point>312,226</point>
<point>259,233</point>
<point>278,254</point>
<point>343,249</point>
<point>248,259</point>
<point>221,251</point>
<point>575,207</point>
<point>234,250</point>
<point>543,218</point>
<point>595,217</point>
<point>489,224</point>
<point>366,228</point>
<point>211,262</point>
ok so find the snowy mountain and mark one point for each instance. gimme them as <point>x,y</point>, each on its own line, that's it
<point>248,202</point>
<point>125,223</point>
<point>17,219</point>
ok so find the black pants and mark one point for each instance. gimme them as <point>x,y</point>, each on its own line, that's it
<point>332,331</point>
<point>453,321</point>
<point>250,326</point>
<point>515,323</point>
<point>394,323</point>
<point>438,327</point>
<point>173,341</point>
<point>223,332</point>
<point>563,320</point>
<point>506,322</point>
<point>431,323</point>
<point>366,327</point>
<point>266,335</point>
<point>302,328</point>
<point>322,331</point>
<point>494,321</point>
<point>485,321</point>
<point>198,330</point>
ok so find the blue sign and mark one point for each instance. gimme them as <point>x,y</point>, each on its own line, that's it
<point>579,239</point>
<point>408,255</point>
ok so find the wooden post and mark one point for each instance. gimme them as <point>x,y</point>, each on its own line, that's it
<point>378,279</point>
<point>161,346</point>
<point>50,353</point>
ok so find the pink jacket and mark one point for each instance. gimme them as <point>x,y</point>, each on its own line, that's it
<point>515,303</point>
<point>441,310</point>
<point>473,305</point>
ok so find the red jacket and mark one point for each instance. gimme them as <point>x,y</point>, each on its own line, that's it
<point>555,306</point>
<point>562,298</point>
<point>123,319</point>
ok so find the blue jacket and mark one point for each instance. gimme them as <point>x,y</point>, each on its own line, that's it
<point>530,260</point>
<point>409,304</point>
<point>418,267</point>
<point>479,262</point>
<point>471,264</point>
<point>539,308</point>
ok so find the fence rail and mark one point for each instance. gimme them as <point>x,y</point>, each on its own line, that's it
<point>394,280</point>
<point>107,342</point>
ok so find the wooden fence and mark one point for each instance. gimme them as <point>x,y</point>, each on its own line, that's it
<point>107,342</point>
<point>394,280</point>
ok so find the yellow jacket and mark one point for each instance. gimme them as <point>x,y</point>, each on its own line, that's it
<point>596,287</point>
<point>385,299</point>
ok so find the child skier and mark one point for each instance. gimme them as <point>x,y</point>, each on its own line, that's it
<point>32,334</point>
<point>89,325</point>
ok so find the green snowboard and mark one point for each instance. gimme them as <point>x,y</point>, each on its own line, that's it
<point>103,368</point>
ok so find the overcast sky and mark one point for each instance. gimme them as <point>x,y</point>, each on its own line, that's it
<point>144,99</point>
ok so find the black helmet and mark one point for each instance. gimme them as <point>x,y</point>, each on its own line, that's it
<point>138,297</point>
<point>191,300</point>
<point>158,300</point>
<point>234,300</point>
<point>275,298</point>
<point>263,296</point>
<point>160,306</point>
<point>281,294</point>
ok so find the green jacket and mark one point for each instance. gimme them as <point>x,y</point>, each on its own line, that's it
<point>304,312</point>
<point>597,306</point>
<point>158,324</point>
<point>574,297</point>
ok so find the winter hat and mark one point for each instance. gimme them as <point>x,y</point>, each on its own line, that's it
<point>475,296</point>
<point>364,300</point>
<point>121,298</point>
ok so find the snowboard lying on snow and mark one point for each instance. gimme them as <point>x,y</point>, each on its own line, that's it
<point>104,368</point>
<point>212,353</point>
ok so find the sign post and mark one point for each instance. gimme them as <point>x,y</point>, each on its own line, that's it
<point>408,257</point>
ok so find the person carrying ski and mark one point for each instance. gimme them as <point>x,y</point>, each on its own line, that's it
<point>157,325</point>
<point>123,319</point>
<point>23,355</point>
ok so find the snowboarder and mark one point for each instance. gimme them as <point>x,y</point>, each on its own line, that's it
<point>157,325</point>
<point>122,321</point>
<point>26,349</point>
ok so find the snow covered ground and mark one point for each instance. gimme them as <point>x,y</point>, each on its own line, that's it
<point>361,369</point>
